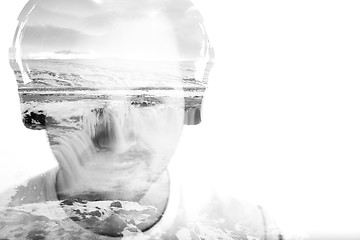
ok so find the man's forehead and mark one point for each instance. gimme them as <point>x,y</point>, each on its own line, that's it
<point>54,30</point>
<point>144,29</point>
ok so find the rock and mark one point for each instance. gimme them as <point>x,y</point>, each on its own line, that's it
<point>112,226</point>
<point>132,222</point>
<point>116,204</point>
<point>134,230</point>
<point>144,104</point>
<point>95,213</point>
<point>68,202</point>
<point>36,235</point>
<point>82,201</point>
<point>90,222</point>
<point>75,219</point>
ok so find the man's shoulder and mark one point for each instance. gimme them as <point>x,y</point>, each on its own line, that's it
<point>40,188</point>
<point>223,217</point>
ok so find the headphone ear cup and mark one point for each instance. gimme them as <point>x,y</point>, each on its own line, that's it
<point>31,119</point>
<point>18,75</point>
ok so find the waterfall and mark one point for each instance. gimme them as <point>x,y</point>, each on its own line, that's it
<point>193,115</point>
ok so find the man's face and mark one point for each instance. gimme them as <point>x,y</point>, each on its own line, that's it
<point>113,124</point>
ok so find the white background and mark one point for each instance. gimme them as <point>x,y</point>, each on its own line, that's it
<point>281,116</point>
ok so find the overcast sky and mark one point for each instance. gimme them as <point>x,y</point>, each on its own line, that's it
<point>135,29</point>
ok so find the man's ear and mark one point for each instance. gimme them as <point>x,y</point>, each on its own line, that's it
<point>192,114</point>
<point>34,119</point>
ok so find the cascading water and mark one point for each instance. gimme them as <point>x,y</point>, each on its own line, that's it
<point>120,150</point>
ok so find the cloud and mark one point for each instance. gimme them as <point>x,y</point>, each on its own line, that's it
<point>109,27</point>
<point>98,1</point>
<point>96,23</point>
<point>101,23</point>
<point>87,8</point>
<point>46,17</point>
<point>38,39</point>
<point>78,8</point>
<point>52,37</point>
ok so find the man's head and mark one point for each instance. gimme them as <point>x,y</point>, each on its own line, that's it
<point>112,82</point>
